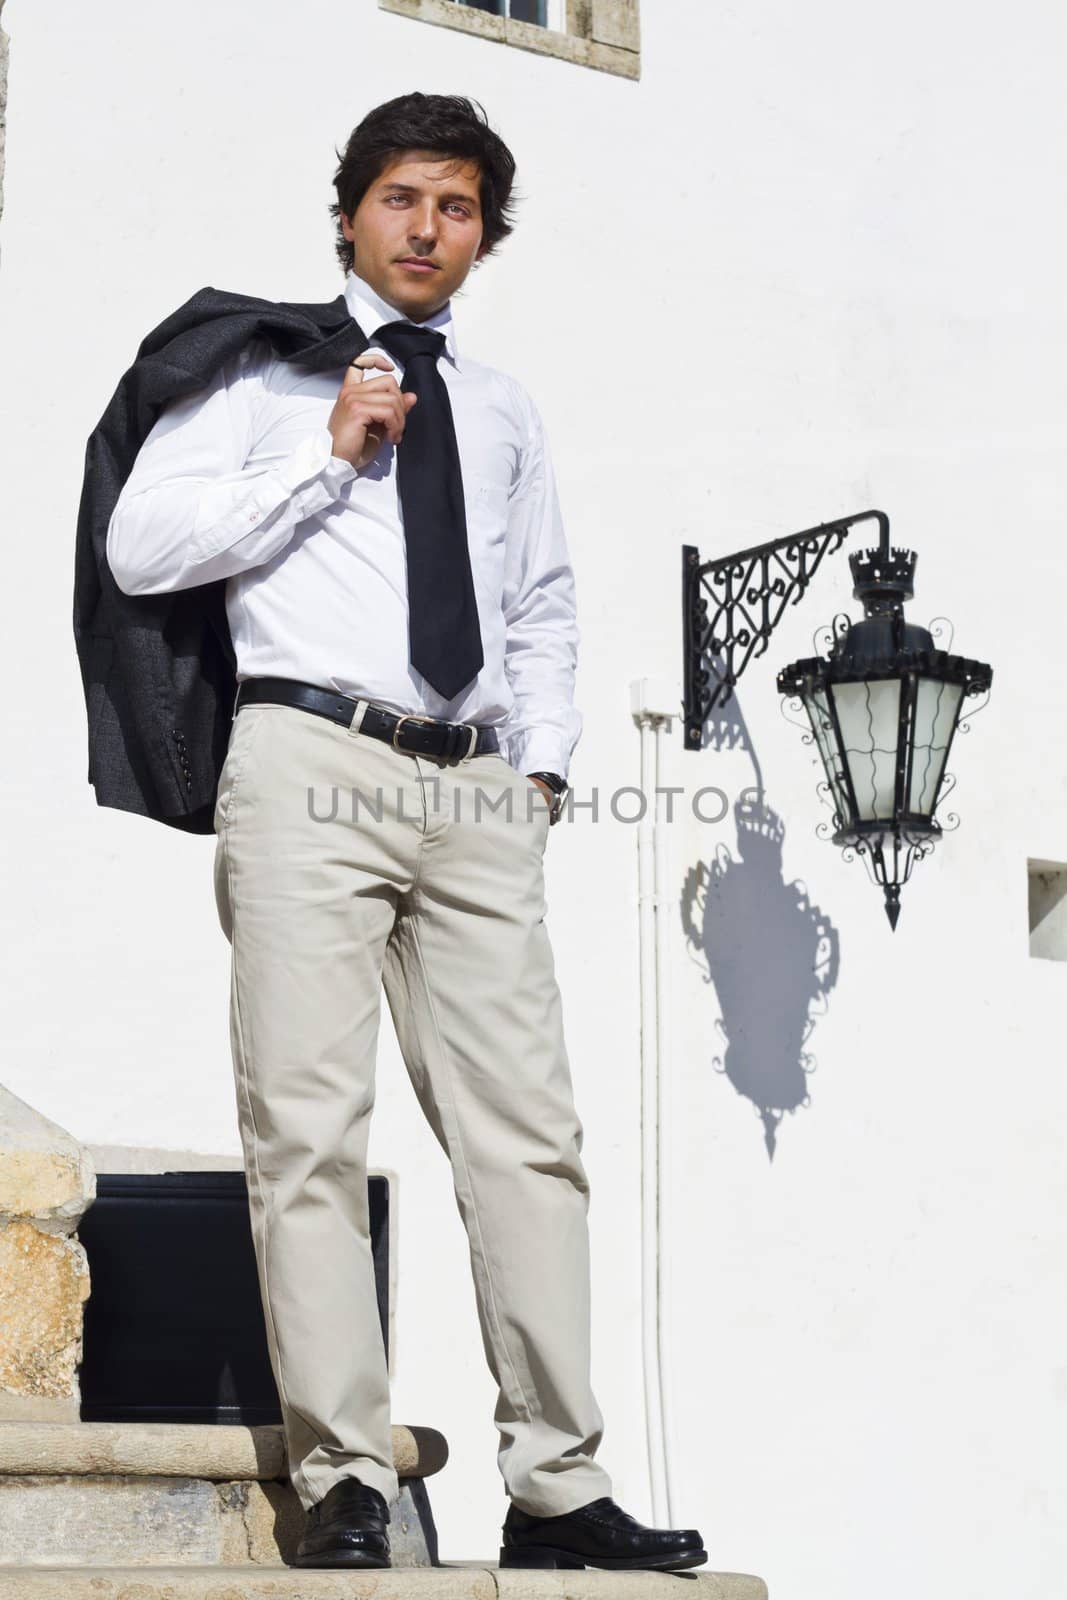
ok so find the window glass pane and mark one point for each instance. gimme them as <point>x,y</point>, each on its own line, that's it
<point>869,717</point>
<point>936,705</point>
<point>826,742</point>
<point>544,13</point>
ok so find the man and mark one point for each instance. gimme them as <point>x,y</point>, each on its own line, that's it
<point>401,603</point>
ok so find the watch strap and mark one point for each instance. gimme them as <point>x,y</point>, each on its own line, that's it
<point>556,783</point>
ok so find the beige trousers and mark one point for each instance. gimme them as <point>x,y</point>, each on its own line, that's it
<point>341,865</point>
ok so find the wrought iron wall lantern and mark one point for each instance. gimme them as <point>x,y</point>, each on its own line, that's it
<point>883,705</point>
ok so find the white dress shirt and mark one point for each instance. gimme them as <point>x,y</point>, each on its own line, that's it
<point>238,481</point>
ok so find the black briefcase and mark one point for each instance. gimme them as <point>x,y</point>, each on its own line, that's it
<point>174,1328</point>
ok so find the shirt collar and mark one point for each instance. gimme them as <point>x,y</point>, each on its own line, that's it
<point>371,312</point>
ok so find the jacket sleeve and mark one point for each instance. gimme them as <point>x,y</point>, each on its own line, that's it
<point>192,510</point>
<point>541,651</point>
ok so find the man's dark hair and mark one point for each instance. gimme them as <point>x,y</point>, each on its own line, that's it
<point>448,124</point>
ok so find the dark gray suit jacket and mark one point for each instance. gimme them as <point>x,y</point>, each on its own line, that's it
<point>158,671</point>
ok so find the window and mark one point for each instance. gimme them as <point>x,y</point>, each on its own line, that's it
<point>592,33</point>
<point>544,13</point>
<point>1047,882</point>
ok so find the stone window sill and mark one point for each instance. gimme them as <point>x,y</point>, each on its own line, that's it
<point>611,44</point>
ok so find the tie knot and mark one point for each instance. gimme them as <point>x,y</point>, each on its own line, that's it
<point>405,340</point>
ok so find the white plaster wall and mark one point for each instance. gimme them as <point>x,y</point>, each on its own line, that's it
<point>812,261</point>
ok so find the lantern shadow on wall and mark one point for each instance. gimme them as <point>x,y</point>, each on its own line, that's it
<point>770,953</point>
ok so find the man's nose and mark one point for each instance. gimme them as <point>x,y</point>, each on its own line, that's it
<point>424,222</point>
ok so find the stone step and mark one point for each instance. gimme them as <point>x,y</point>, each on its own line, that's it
<point>182,1449</point>
<point>88,1494</point>
<point>453,1580</point>
<point>104,1519</point>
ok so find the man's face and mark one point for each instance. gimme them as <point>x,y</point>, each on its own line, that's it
<point>417,232</point>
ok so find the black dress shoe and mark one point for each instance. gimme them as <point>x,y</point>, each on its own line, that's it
<point>346,1528</point>
<point>600,1534</point>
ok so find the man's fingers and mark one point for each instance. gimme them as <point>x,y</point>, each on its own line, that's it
<point>382,383</point>
<point>378,409</point>
<point>377,402</point>
<point>369,358</point>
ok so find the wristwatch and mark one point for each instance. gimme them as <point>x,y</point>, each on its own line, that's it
<point>558,786</point>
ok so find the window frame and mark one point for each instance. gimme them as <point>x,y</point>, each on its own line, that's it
<point>602,34</point>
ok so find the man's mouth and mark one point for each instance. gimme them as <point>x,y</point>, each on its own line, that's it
<point>418,264</point>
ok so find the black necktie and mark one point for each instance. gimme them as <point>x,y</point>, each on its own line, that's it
<point>443,633</point>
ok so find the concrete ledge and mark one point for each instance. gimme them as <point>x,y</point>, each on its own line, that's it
<point>181,1450</point>
<point>451,1581</point>
<point>589,1584</point>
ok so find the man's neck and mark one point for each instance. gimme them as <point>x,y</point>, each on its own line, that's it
<point>418,317</point>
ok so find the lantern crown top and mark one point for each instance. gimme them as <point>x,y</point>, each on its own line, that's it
<point>883,579</point>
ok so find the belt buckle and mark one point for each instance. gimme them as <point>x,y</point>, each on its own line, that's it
<point>409,716</point>
<point>453,729</point>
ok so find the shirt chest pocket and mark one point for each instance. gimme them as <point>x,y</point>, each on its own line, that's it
<point>486,501</point>
<point>488,496</point>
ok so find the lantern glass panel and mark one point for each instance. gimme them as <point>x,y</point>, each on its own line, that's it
<point>818,709</point>
<point>937,705</point>
<point>868,715</point>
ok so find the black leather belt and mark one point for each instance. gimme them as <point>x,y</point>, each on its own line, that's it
<point>418,735</point>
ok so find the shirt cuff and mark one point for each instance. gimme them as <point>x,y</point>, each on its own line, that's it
<point>538,750</point>
<point>313,475</point>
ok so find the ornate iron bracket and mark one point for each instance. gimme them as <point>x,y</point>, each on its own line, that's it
<point>746,594</point>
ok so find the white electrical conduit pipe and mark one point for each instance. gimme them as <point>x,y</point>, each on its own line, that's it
<point>653,911</point>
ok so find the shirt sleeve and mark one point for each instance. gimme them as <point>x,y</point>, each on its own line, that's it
<point>541,655</point>
<point>192,510</point>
